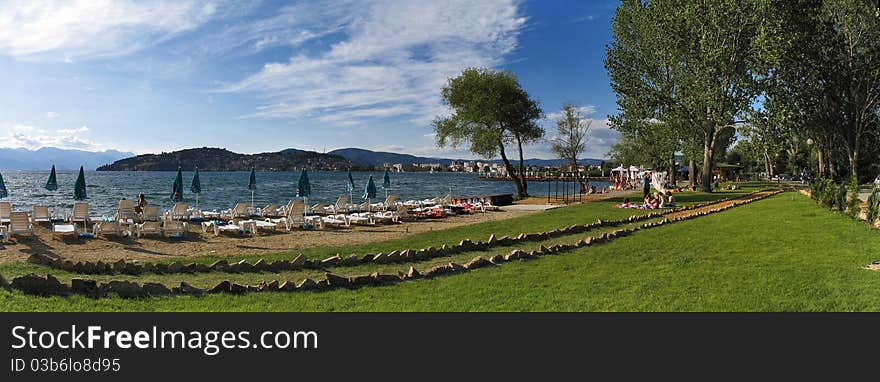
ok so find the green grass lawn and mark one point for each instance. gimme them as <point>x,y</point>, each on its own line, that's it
<point>780,254</point>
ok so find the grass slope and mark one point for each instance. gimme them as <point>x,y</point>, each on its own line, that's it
<point>780,254</point>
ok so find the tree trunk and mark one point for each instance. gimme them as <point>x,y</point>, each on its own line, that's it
<point>691,173</point>
<point>520,193</point>
<point>708,159</point>
<point>672,170</point>
<point>832,167</point>
<point>820,153</point>
<point>521,175</point>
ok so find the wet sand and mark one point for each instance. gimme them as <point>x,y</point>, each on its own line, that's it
<point>206,244</point>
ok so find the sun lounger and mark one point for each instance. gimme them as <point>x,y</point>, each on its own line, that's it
<point>241,210</point>
<point>319,209</point>
<point>362,218</point>
<point>387,204</point>
<point>63,230</point>
<point>404,212</point>
<point>174,227</point>
<point>19,223</point>
<point>385,217</point>
<point>293,216</point>
<point>79,214</point>
<point>151,214</point>
<point>180,211</point>
<point>270,211</point>
<point>254,226</point>
<point>41,215</point>
<point>341,206</point>
<point>218,227</point>
<point>334,221</point>
<point>148,228</point>
<point>109,228</point>
<point>125,213</point>
<point>5,210</point>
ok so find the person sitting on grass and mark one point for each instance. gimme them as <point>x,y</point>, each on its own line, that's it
<point>671,201</point>
<point>625,203</point>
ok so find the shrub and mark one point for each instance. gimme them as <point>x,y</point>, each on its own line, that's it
<point>840,198</point>
<point>827,197</point>
<point>816,188</point>
<point>853,207</point>
<point>873,206</point>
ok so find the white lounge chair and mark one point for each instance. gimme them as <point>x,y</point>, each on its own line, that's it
<point>125,213</point>
<point>361,218</point>
<point>63,230</point>
<point>180,211</point>
<point>148,228</point>
<point>151,214</point>
<point>270,211</point>
<point>41,215</point>
<point>387,204</point>
<point>109,228</point>
<point>254,226</point>
<point>174,227</point>
<point>385,217</point>
<point>241,210</point>
<point>5,210</point>
<point>80,214</point>
<point>340,207</point>
<point>293,217</point>
<point>334,221</point>
<point>218,227</point>
<point>20,223</point>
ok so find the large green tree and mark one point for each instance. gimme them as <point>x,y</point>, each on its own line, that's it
<point>690,64</point>
<point>490,110</point>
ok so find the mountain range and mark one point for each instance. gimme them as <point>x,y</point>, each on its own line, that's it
<point>63,159</point>
<point>217,159</point>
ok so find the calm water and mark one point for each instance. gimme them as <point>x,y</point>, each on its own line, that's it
<point>220,190</point>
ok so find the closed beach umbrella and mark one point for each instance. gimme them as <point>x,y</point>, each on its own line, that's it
<point>252,184</point>
<point>350,186</point>
<point>370,190</point>
<point>177,188</point>
<point>79,188</point>
<point>52,185</point>
<point>386,182</point>
<point>3,192</point>
<point>303,187</point>
<point>196,186</point>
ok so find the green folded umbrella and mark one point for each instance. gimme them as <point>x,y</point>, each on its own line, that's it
<point>386,182</point>
<point>177,188</point>
<point>303,187</point>
<point>79,188</point>
<point>52,183</point>
<point>196,186</point>
<point>350,186</point>
<point>3,192</point>
<point>252,184</point>
<point>370,189</point>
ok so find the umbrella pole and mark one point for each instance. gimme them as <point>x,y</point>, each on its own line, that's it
<point>252,199</point>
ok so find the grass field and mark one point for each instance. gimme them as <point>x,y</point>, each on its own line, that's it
<point>780,254</point>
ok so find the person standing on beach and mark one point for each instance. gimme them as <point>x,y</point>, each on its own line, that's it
<point>646,184</point>
<point>141,204</point>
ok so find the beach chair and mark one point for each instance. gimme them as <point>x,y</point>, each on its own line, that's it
<point>293,216</point>
<point>41,215</point>
<point>5,210</point>
<point>270,211</point>
<point>125,213</point>
<point>385,217</point>
<point>404,212</point>
<point>80,214</point>
<point>241,210</point>
<point>218,227</point>
<point>19,223</point>
<point>341,205</point>
<point>334,221</point>
<point>319,209</point>
<point>148,228</point>
<point>109,228</point>
<point>63,230</point>
<point>151,214</point>
<point>360,218</point>
<point>254,225</point>
<point>180,211</point>
<point>388,204</point>
<point>174,227</point>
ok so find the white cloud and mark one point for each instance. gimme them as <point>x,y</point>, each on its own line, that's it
<point>30,137</point>
<point>392,60</point>
<point>584,110</point>
<point>85,29</point>
<point>52,115</point>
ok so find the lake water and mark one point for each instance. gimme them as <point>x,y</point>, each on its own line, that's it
<point>220,190</point>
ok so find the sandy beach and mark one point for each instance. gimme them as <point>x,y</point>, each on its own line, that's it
<point>199,243</point>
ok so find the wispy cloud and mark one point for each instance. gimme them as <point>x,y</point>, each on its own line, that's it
<point>584,111</point>
<point>85,29</point>
<point>32,137</point>
<point>52,115</point>
<point>392,60</point>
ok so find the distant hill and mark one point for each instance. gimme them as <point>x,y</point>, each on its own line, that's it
<point>217,159</point>
<point>63,159</point>
<point>378,158</point>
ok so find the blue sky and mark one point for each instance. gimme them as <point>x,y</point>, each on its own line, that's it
<point>150,76</point>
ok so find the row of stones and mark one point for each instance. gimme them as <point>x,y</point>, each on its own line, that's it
<point>49,285</point>
<point>300,262</point>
